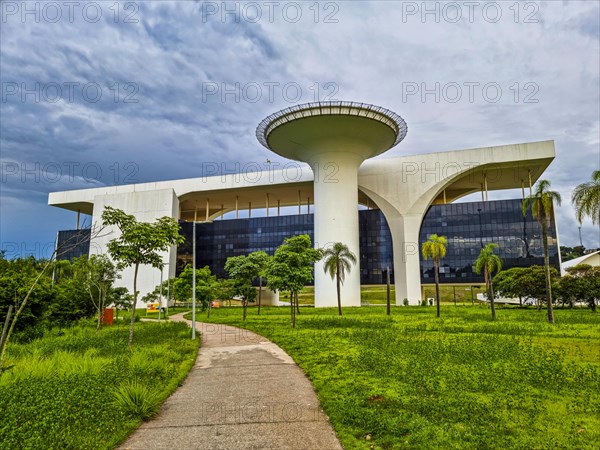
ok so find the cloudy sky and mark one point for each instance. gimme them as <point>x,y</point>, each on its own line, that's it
<point>104,93</point>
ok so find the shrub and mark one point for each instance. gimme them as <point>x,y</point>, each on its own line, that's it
<point>136,400</point>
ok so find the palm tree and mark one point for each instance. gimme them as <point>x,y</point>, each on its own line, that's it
<point>541,204</point>
<point>488,263</point>
<point>435,248</point>
<point>586,198</point>
<point>338,260</point>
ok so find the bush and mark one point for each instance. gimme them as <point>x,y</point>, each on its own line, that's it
<point>73,388</point>
<point>136,400</point>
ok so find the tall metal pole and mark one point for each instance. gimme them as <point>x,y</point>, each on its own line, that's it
<point>194,280</point>
<point>388,292</point>
<point>160,301</point>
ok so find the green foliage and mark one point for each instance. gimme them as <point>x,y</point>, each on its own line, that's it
<point>524,282</point>
<point>464,382</point>
<point>435,249</point>
<point>338,259</point>
<point>136,400</point>
<point>290,269</point>
<point>140,243</point>
<point>16,278</point>
<point>205,286</point>
<point>581,284</point>
<point>488,263</point>
<point>59,393</point>
<point>586,199</point>
<point>569,253</point>
<point>541,204</point>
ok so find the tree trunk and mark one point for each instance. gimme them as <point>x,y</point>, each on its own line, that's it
<point>339,294</point>
<point>6,326</point>
<point>4,342</point>
<point>297,303</point>
<point>490,291</point>
<point>547,266</point>
<point>259,293</point>
<point>436,265</point>
<point>133,305</point>
<point>245,302</point>
<point>292,311</point>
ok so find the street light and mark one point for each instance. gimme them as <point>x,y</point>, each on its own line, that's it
<point>161,294</point>
<point>194,280</point>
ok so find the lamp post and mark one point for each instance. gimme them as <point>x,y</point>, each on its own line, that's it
<point>161,294</point>
<point>194,280</point>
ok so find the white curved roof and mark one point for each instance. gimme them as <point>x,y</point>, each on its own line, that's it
<point>593,259</point>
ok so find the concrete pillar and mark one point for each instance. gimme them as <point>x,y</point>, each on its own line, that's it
<point>336,220</point>
<point>407,271</point>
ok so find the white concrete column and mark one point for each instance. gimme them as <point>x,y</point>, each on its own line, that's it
<point>405,242</point>
<point>336,220</point>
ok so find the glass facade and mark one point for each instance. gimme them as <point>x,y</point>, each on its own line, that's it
<point>470,226</point>
<point>73,243</point>
<point>216,241</point>
<point>467,226</point>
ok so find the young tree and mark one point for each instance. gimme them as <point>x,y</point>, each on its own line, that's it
<point>488,263</point>
<point>97,274</point>
<point>582,283</point>
<point>205,286</point>
<point>524,282</point>
<point>542,209</point>
<point>31,287</point>
<point>338,259</point>
<point>291,268</point>
<point>261,259</point>
<point>243,269</point>
<point>140,243</point>
<point>586,199</point>
<point>120,298</point>
<point>435,249</point>
<point>225,290</point>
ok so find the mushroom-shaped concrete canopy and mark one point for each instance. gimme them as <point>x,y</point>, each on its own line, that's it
<point>303,131</point>
<point>334,138</point>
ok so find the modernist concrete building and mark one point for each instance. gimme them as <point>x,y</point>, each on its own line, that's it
<point>336,139</point>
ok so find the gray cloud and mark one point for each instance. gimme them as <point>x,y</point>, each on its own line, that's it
<point>155,110</point>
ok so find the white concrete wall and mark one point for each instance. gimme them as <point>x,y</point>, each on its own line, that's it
<point>145,206</point>
<point>402,187</point>
<point>268,297</point>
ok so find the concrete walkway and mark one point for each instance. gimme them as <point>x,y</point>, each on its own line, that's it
<point>243,392</point>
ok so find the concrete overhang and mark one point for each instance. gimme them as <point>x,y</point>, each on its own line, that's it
<point>459,173</point>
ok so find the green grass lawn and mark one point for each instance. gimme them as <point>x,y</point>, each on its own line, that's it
<point>377,294</point>
<point>60,392</point>
<point>459,382</point>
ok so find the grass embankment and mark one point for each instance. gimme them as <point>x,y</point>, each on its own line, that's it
<point>459,382</point>
<point>61,392</point>
<point>377,294</point>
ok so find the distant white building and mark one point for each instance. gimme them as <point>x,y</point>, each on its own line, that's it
<point>593,259</point>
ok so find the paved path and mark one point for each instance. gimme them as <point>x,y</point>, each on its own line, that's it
<point>243,392</point>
